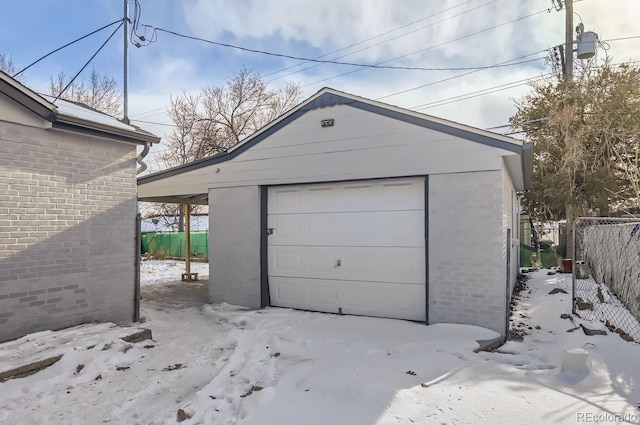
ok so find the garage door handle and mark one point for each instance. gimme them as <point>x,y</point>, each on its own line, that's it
<point>338,263</point>
<point>270,231</point>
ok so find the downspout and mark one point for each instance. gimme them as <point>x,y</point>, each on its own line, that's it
<point>140,157</point>
<point>138,240</point>
<point>136,287</point>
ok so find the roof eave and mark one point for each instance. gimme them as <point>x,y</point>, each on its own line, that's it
<point>330,97</point>
<point>27,98</point>
<point>67,122</point>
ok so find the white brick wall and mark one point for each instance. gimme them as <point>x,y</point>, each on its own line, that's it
<point>234,241</point>
<point>510,220</point>
<point>67,228</point>
<point>467,275</point>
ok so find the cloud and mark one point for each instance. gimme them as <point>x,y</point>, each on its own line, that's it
<point>475,33</point>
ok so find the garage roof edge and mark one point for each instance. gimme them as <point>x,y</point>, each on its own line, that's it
<point>327,97</point>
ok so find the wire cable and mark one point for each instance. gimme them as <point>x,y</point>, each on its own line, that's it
<point>369,39</point>
<point>489,90</point>
<point>89,61</point>
<point>433,83</point>
<point>143,40</point>
<point>66,45</point>
<point>621,38</point>
<point>359,65</point>
<point>388,40</point>
<point>434,46</point>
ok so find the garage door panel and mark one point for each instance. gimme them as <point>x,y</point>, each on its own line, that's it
<point>374,195</point>
<point>399,301</point>
<point>356,247</point>
<point>363,298</point>
<point>378,228</point>
<point>296,293</point>
<point>371,264</point>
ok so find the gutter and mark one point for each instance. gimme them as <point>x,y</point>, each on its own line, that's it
<point>141,156</point>
<point>66,122</point>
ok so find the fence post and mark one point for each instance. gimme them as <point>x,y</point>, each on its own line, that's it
<point>573,267</point>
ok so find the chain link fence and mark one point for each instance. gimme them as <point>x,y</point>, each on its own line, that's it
<point>606,273</point>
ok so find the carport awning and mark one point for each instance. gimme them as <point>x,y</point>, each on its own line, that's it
<point>197,199</point>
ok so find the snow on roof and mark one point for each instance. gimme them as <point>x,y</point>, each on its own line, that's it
<point>84,112</point>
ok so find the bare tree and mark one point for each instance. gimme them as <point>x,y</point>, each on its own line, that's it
<point>97,91</point>
<point>217,118</point>
<point>9,68</point>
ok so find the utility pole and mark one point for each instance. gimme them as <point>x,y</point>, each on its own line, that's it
<point>568,49</point>
<point>125,109</point>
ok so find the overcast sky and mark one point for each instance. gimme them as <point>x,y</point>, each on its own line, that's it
<point>409,33</point>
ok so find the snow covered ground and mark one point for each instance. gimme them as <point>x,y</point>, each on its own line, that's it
<point>169,272</point>
<point>221,364</point>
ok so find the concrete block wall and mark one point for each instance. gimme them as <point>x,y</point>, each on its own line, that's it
<point>234,246</point>
<point>67,228</point>
<point>467,278</point>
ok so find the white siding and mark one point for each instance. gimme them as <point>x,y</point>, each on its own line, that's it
<point>361,145</point>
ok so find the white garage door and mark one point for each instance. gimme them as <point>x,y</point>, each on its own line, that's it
<point>352,247</point>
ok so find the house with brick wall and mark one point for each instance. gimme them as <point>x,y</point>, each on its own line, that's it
<point>352,206</point>
<point>67,213</point>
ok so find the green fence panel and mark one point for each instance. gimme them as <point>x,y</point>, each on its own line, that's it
<point>172,244</point>
<point>528,255</point>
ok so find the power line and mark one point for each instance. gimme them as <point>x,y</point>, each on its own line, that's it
<point>434,46</point>
<point>89,61</point>
<point>162,109</point>
<point>495,89</point>
<point>386,41</point>
<point>464,96</point>
<point>359,65</point>
<point>472,72</point>
<point>368,39</point>
<point>622,38</point>
<point>453,77</point>
<point>66,45</point>
<point>478,93</point>
<point>154,122</point>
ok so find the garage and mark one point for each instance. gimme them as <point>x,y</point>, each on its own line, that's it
<point>348,205</point>
<point>352,247</point>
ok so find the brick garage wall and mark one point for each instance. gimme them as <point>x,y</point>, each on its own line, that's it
<point>467,277</point>
<point>67,227</point>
